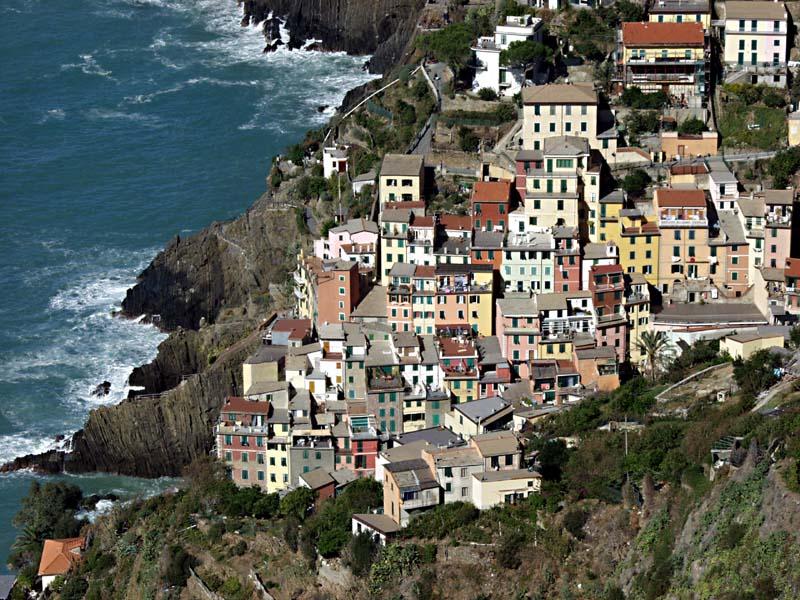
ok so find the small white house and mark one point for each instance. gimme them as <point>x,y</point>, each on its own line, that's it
<point>489,73</point>
<point>334,160</point>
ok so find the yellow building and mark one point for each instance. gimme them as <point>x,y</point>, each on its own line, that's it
<point>794,128</point>
<point>681,11</point>
<point>555,349</point>
<point>561,109</point>
<point>491,488</point>
<point>667,57</point>
<point>743,345</point>
<point>637,309</point>
<point>684,252</point>
<point>394,237</point>
<point>480,301</point>
<point>401,179</point>
<point>277,460</point>
<point>633,233</point>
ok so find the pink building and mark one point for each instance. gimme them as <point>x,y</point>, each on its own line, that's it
<point>607,284</point>
<point>356,232</point>
<point>567,276</point>
<point>517,330</point>
<point>777,226</point>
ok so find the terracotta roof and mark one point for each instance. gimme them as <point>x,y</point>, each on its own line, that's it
<point>237,404</point>
<point>698,169</point>
<point>662,34</point>
<point>602,269</point>
<point>559,93</point>
<point>792,267</point>
<point>675,197</point>
<point>422,222</point>
<point>58,556</point>
<point>461,222</point>
<point>491,191</point>
<point>451,347</point>
<point>425,271</point>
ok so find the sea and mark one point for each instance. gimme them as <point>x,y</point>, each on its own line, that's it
<point>122,124</point>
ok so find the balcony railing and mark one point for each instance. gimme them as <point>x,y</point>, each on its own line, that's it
<point>683,222</point>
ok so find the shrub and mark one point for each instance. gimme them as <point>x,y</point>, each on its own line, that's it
<point>295,154</point>
<point>773,99</point>
<point>406,114</point>
<point>487,94</point>
<point>731,536</point>
<point>178,563</point>
<point>508,555</point>
<point>506,112</point>
<point>442,520</point>
<point>362,550</point>
<point>467,140</point>
<point>692,126</point>
<point>239,548</point>
<point>574,520</point>
<point>783,166</point>
<point>297,503</point>
<point>634,97</point>
<point>74,588</point>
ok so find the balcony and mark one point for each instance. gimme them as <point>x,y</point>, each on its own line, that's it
<point>610,319</point>
<point>776,219</point>
<point>679,222</point>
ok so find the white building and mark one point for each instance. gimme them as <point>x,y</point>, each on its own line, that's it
<point>489,72</point>
<point>334,160</point>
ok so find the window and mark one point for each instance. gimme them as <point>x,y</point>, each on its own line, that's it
<point>677,234</point>
<point>691,234</point>
<point>552,127</point>
<point>245,474</point>
<point>563,163</point>
<point>341,291</point>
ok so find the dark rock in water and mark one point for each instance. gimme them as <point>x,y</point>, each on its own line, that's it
<point>313,47</point>
<point>272,46</point>
<point>102,389</point>
<point>60,438</point>
<point>246,20</point>
<point>322,108</point>
<point>90,502</point>
<point>382,28</point>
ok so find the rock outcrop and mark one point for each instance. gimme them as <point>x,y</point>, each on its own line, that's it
<point>382,28</point>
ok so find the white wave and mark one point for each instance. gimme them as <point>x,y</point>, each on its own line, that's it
<point>89,66</point>
<point>21,444</point>
<point>55,114</point>
<point>136,117</point>
<point>103,507</point>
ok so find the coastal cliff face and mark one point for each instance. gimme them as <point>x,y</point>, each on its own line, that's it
<point>210,290</point>
<point>382,28</point>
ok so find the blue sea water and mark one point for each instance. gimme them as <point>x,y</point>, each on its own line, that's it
<point>122,123</point>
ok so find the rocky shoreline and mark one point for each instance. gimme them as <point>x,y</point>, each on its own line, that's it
<point>207,290</point>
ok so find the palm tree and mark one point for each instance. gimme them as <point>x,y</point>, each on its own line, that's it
<point>656,347</point>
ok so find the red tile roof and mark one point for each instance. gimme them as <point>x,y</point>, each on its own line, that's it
<point>603,269</point>
<point>462,222</point>
<point>236,404</point>
<point>451,347</point>
<point>425,271</point>
<point>662,34</point>
<point>673,197</point>
<point>792,267</point>
<point>699,169</point>
<point>58,556</point>
<point>491,191</point>
<point>426,221</point>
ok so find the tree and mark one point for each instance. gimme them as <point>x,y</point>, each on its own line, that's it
<point>406,113</point>
<point>628,11</point>
<point>783,166</point>
<point>178,563</point>
<point>636,182</point>
<point>450,45</point>
<point>692,126</point>
<point>656,348</point>
<point>48,511</point>
<point>634,97</point>
<point>757,373</point>
<point>296,154</point>
<point>794,336</point>
<point>523,54</point>
<point>297,503</point>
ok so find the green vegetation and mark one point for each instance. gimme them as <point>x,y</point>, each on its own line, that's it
<point>450,45</point>
<point>636,182</point>
<point>589,35</point>
<point>782,168</point>
<point>467,140</point>
<point>638,122</point>
<point>754,94</point>
<point>656,348</point>
<point>692,126</point>
<point>524,54</point>
<point>487,94</point>
<point>743,124</point>
<point>634,97</point>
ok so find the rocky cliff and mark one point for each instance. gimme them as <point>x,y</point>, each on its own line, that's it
<point>221,275</point>
<point>381,28</point>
